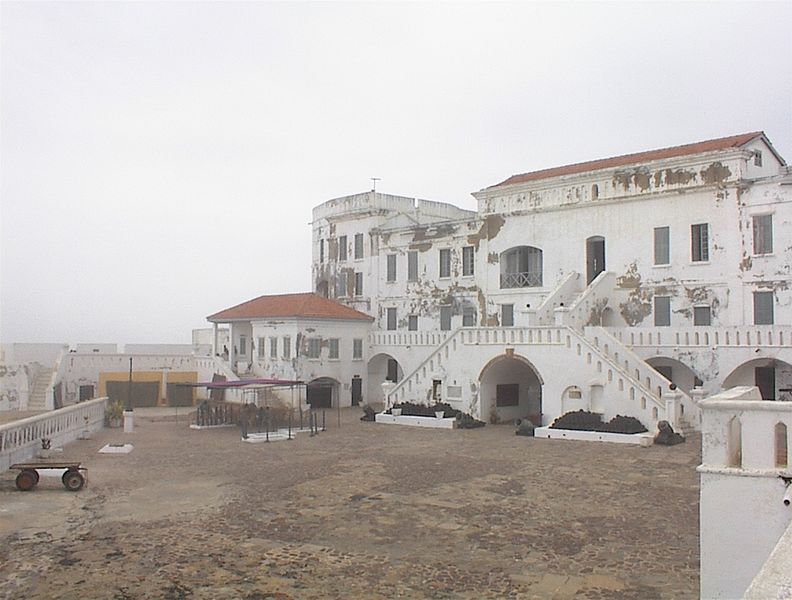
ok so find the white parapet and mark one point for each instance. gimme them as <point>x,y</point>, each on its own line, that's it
<point>640,439</point>
<point>745,460</point>
<point>432,422</point>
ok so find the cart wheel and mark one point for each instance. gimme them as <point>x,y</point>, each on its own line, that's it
<point>73,480</point>
<point>35,475</point>
<point>26,480</point>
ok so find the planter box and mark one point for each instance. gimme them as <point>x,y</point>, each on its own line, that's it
<point>641,439</point>
<point>434,422</point>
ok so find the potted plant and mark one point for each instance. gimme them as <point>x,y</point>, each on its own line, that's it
<point>114,413</point>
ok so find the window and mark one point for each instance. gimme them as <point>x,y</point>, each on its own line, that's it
<point>757,158</point>
<point>242,345</point>
<point>662,311</point>
<point>763,308</point>
<point>314,347</point>
<point>412,323</point>
<point>286,347</point>
<point>342,248</point>
<point>321,251</point>
<point>661,246</point>
<point>468,254</point>
<point>521,267</point>
<point>507,394</point>
<point>412,266</point>
<point>702,315</point>
<point>445,318</point>
<point>507,315</point>
<point>357,349</point>
<point>594,191</point>
<point>261,347</point>
<point>763,234</point>
<point>391,318</point>
<point>358,284</point>
<point>332,345</point>
<point>445,262</point>
<point>468,317</point>
<point>699,242</point>
<point>358,245</point>
<point>391,267</point>
<point>273,347</point>
<point>341,285</point>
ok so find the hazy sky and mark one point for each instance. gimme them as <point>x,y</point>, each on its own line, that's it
<point>160,160</point>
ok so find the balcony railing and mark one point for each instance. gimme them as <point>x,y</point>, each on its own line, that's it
<point>519,280</point>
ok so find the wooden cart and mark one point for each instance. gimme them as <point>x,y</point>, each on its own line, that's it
<point>28,476</point>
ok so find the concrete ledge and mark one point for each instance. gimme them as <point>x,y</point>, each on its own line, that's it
<point>433,422</point>
<point>641,439</point>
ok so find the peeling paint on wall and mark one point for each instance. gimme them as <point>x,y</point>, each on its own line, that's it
<point>715,173</point>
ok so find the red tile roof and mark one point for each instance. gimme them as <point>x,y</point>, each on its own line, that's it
<point>307,305</point>
<point>726,143</point>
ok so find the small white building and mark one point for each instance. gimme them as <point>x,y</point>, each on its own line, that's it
<point>299,337</point>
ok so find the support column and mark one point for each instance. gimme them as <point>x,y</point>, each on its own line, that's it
<point>231,346</point>
<point>214,339</point>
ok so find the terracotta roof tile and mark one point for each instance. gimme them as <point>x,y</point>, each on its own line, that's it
<point>307,305</point>
<point>734,141</point>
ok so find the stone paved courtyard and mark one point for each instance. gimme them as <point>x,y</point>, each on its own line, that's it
<point>361,511</point>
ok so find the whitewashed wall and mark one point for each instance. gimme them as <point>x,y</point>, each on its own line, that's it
<point>742,514</point>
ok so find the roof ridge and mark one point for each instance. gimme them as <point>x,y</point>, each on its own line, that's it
<point>301,304</point>
<point>711,145</point>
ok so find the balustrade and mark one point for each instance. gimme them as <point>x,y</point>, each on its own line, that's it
<point>19,440</point>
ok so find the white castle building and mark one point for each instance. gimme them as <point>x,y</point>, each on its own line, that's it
<point>588,286</point>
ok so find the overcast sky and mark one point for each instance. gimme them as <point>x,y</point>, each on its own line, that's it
<point>160,160</point>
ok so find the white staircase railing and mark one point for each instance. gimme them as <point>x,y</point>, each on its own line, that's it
<point>593,300</point>
<point>564,293</point>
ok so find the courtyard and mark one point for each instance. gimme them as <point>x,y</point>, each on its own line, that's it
<point>363,510</point>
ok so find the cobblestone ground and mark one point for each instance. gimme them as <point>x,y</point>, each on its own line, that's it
<point>360,511</point>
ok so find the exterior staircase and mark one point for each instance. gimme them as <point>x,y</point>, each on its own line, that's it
<point>628,384</point>
<point>38,393</point>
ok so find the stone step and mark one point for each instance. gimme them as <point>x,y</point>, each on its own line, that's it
<point>38,395</point>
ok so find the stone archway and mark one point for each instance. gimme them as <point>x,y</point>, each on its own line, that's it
<point>382,367</point>
<point>510,388</point>
<point>773,377</point>
<point>676,372</point>
<point>322,393</point>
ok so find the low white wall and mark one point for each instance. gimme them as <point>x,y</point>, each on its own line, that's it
<point>168,349</point>
<point>742,514</point>
<point>20,440</point>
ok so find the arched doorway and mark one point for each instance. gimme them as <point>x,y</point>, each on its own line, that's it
<point>322,393</point>
<point>595,257</point>
<point>773,377</point>
<point>381,368</point>
<point>510,388</point>
<point>676,372</point>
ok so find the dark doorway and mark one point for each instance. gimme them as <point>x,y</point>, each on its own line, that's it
<point>320,396</point>
<point>86,392</point>
<point>144,393</point>
<point>393,370</point>
<point>764,379</point>
<point>595,257</point>
<point>357,390</point>
<point>180,395</point>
